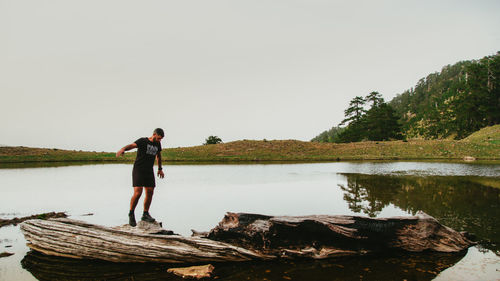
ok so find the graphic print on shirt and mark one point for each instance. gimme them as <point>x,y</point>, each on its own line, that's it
<point>151,149</point>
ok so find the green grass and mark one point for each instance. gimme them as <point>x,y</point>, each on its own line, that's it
<point>489,134</point>
<point>482,145</point>
<point>29,154</point>
<point>291,150</point>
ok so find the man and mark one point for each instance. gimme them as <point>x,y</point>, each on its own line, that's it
<point>142,174</point>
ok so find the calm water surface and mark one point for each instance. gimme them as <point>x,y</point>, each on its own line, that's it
<point>465,197</point>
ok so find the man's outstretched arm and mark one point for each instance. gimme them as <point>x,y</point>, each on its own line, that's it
<point>126,148</point>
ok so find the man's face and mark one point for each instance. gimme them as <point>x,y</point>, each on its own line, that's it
<point>157,138</point>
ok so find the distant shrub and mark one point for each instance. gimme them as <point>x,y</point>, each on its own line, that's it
<point>41,216</point>
<point>212,140</point>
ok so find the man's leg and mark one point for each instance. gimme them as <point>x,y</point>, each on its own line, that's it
<point>133,203</point>
<point>147,203</point>
<point>149,197</point>
<point>135,198</point>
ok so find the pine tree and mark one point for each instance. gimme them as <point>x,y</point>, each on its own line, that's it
<point>355,111</point>
<point>381,123</point>
<point>375,98</point>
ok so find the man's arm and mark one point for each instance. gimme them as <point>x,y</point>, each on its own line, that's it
<point>160,169</point>
<point>126,148</point>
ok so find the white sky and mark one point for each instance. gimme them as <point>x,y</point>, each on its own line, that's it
<point>96,75</point>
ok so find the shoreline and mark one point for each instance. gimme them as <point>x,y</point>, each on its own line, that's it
<point>53,164</point>
<point>257,161</point>
<point>236,159</point>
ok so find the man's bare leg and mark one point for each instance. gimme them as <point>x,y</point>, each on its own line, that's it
<point>133,203</point>
<point>149,197</point>
<point>135,198</point>
<point>147,204</point>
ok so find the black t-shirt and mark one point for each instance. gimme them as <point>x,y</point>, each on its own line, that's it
<point>146,153</point>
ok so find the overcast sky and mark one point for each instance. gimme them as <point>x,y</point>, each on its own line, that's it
<point>96,75</point>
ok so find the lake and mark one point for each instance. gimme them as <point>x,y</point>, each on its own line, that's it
<point>464,196</point>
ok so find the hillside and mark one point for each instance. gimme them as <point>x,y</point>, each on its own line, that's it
<point>486,135</point>
<point>453,103</point>
<point>484,144</point>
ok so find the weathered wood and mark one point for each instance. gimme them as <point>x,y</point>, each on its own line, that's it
<point>77,239</point>
<point>244,237</point>
<point>16,221</point>
<point>321,237</point>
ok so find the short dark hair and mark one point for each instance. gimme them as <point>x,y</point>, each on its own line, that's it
<point>159,132</point>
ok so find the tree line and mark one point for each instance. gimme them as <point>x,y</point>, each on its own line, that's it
<point>453,103</point>
<point>366,118</point>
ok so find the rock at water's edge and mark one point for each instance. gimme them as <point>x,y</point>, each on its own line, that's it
<point>5,254</point>
<point>197,272</point>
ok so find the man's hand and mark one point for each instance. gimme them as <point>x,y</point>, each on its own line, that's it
<point>126,148</point>
<point>161,174</point>
<point>120,152</point>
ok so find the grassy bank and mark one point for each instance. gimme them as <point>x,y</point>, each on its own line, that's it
<point>28,154</point>
<point>482,145</point>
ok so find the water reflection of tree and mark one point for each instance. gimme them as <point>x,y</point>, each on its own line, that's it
<point>459,202</point>
<point>360,197</point>
<point>354,195</point>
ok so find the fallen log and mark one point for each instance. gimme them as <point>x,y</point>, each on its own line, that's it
<point>44,216</point>
<point>244,237</point>
<point>322,236</point>
<point>145,243</point>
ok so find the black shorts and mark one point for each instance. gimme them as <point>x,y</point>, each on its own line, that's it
<point>142,178</point>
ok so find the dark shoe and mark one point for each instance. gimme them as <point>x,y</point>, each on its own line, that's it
<point>131,220</point>
<point>147,218</point>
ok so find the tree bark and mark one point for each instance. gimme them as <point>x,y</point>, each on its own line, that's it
<point>244,237</point>
<point>321,237</point>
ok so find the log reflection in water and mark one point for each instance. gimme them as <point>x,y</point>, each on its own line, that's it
<point>424,266</point>
<point>45,267</point>
<point>463,203</point>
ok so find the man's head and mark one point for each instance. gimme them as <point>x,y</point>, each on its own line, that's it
<point>158,134</point>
